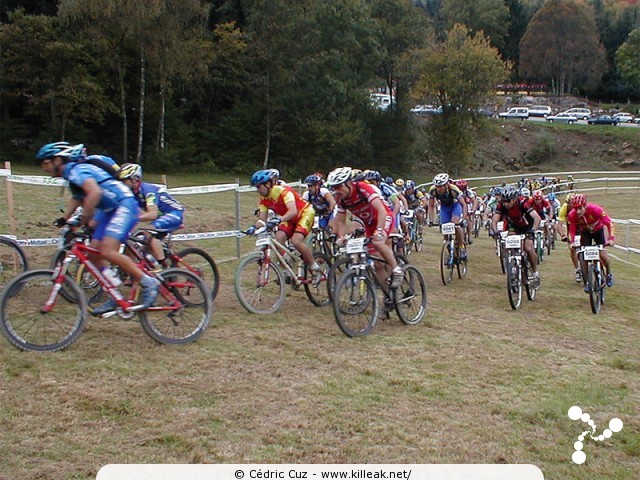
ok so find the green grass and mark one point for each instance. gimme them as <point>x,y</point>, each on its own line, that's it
<point>475,382</point>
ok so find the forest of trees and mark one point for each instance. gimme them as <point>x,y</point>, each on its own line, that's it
<point>235,85</point>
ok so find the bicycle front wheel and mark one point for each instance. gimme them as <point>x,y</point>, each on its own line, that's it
<point>417,241</point>
<point>259,286</point>
<point>197,261</point>
<point>13,261</point>
<point>27,326</point>
<point>595,293</point>
<point>514,284</point>
<point>355,303</point>
<point>167,325</point>
<point>410,298</point>
<point>461,265</point>
<point>530,285</point>
<point>318,293</point>
<point>540,247</point>
<point>446,263</point>
<point>335,272</point>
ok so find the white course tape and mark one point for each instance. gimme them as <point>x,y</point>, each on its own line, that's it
<point>5,172</point>
<point>203,235</point>
<point>39,242</point>
<point>202,189</point>
<point>37,180</point>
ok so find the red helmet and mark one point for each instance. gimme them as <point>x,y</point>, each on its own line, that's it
<point>578,200</point>
<point>462,185</point>
<point>537,196</point>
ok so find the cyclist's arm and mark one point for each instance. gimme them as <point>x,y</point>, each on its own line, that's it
<point>340,224</point>
<point>535,216</point>
<point>332,201</point>
<point>149,214</point>
<point>93,194</point>
<point>292,211</point>
<point>72,205</point>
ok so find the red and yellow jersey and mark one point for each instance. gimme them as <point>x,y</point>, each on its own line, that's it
<point>278,197</point>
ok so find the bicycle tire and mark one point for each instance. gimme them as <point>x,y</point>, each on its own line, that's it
<point>355,304</point>
<point>27,328</point>
<point>527,275</point>
<point>595,295</point>
<point>503,257</point>
<point>177,327</point>
<point>540,247</point>
<point>410,298</point>
<point>318,294</point>
<point>255,298</point>
<point>549,241</point>
<point>446,263</point>
<point>514,284</point>
<point>335,272</point>
<point>461,265</point>
<point>198,261</point>
<point>13,261</point>
<point>417,243</point>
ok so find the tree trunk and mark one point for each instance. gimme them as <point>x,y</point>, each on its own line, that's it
<point>123,112</point>
<point>163,109</point>
<point>267,146</point>
<point>141,112</point>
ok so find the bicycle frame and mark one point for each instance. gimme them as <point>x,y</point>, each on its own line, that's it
<point>267,245</point>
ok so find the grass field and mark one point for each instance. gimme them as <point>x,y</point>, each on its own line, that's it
<point>475,382</point>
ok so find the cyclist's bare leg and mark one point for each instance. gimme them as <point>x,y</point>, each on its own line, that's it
<point>531,253</point>
<point>604,258</point>
<point>110,252</point>
<point>297,240</point>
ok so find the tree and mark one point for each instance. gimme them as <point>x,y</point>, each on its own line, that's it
<point>628,60</point>
<point>461,73</point>
<point>488,16</point>
<point>562,46</point>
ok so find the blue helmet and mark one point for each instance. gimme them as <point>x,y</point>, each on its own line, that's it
<point>551,196</point>
<point>509,193</point>
<point>260,177</point>
<point>372,175</point>
<point>313,180</point>
<point>61,149</point>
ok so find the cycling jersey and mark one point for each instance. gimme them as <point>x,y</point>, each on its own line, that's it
<point>318,200</point>
<point>277,199</point>
<point>518,216</point>
<point>590,223</point>
<point>541,207</point>
<point>449,197</point>
<point>414,199</point>
<point>171,211</point>
<point>359,203</point>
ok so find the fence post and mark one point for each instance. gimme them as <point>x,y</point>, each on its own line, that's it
<point>163,179</point>
<point>10,208</point>
<point>238,217</point>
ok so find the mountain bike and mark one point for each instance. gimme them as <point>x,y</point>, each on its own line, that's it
<point>13,260</point>
<point>323,240</point>
<point>450,258</point>
<point>415,232</point>
<point>550,234</point>
<point>261,276</point>
<point>539,242</point>
<point>34,315</point>
<point>477,223</point>
<point>595,282</point>
<point>519,272</point>
<point>356,306</point>
<point>501,252</point>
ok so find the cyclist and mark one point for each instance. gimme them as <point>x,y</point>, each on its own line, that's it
<point>452,206</point>
<point>471,201</point>
<point>542,206</point>
<point>320,198</point>
<point>364,202</point>
<point>589,221</point>
<point>295,215</point>
<point>520,217</point>
<point>156,206</point>
<point>95,188</point>
<point>389,193</point>
<point>562,230</point>
<point>416,200</point>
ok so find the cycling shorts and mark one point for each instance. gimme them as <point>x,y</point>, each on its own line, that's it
<point>118,223</point>
<point>169,221</point>
<point>589,238</point>
<point>447,212</point>
<point>303,225</point>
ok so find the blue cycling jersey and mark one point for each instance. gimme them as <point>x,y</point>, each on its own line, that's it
<point>113,190</point>
<point>150,194</point>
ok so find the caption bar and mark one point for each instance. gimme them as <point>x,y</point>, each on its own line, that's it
<point>320,472</point>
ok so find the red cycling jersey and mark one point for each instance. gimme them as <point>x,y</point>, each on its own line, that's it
<point>519,215</point>
<point>541,206</point>
<point>593,220</point>
<point>360,203</point>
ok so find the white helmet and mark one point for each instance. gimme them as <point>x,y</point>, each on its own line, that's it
<point>339,176</point>
<point>525,192</point>
<point>441,179</point>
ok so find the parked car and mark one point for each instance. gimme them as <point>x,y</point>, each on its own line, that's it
<point>382,101</point>
<point>539,110</point>
<point>562,118</point>
<point>623,117</point>
<point>636,120</point>
<point>580,113</point>
<point>603,120</point>
<point>521,113</point>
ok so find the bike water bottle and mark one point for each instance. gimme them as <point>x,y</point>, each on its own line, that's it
<point>152,261</point>
<point>112,276</point>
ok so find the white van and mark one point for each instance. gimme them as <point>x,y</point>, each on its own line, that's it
<point>515,112</point>
<point>539,111</point>
<point>382,101</point>
<point>580,113</point>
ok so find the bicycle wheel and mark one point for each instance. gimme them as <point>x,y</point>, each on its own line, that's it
<point>540,247</point>
<point>446,263</point>
<point>24,323</point>
<point>417,241</point>
<point>335,272</point>
<point>410,298</point>
<point>595,293</point>
<point>514,284</point>
<point>461,265</point>
<point>188,323</point>
<point>318,294</point>
<point>476,226</point>
<point>548,241</point>
<point>527,274</point>
<point>502,257</point>
<point>355,303</point>
<point>260,289</point>
<point>13,261</point>
<point>197,261</point>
